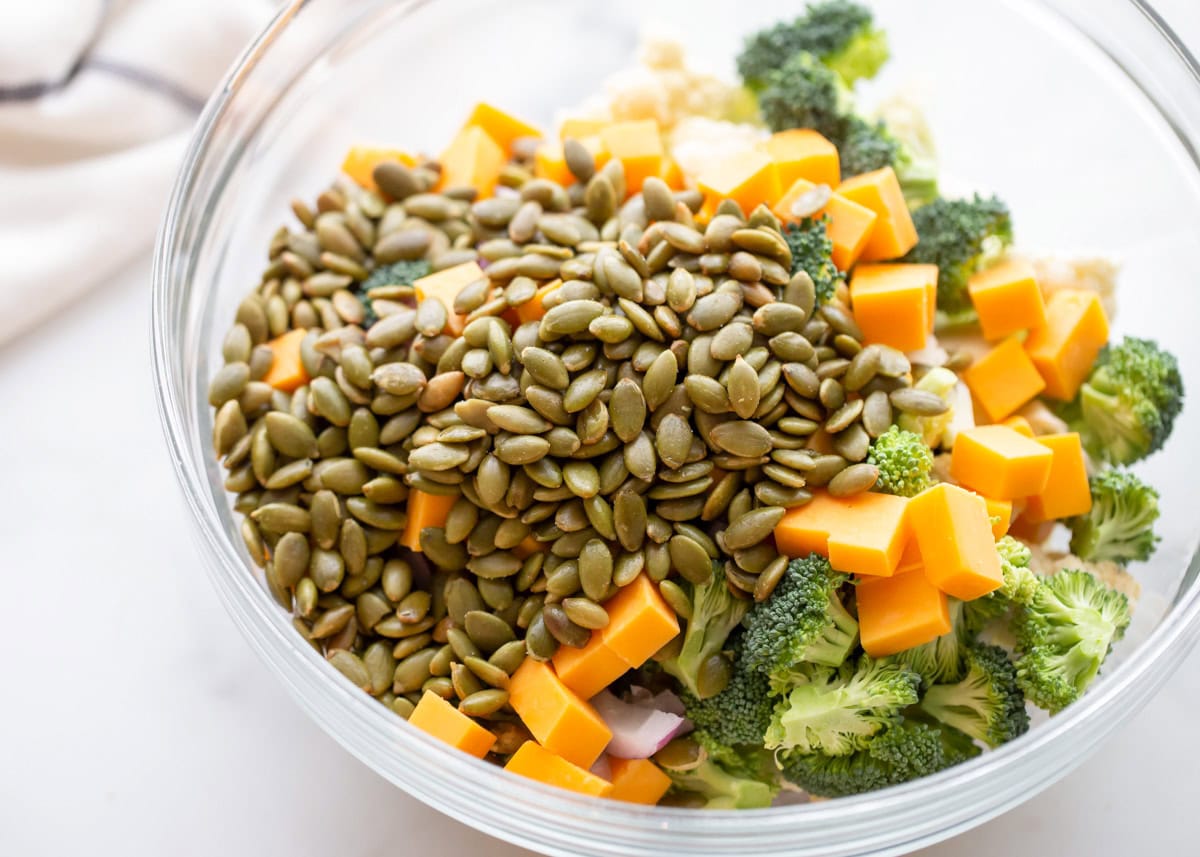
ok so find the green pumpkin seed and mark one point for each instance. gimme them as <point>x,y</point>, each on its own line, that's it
<point>488,672</point>
<point>585,613</point>
<point>487,631</point>
<point>844,417</point>
<point>566,632</point>
<point>351,666</point>
<point>521,449</point>
<point>413,671</point>
<point>484,702</point>
<point>690,559</point>
<point>853,444</point>
<point>595,569</point>
<point>282,518</point>
<point>741,438</point>
<point>742,387</point>
<point>673,442</point>
<point>627,409</point>
<point>290,436</point>
<point>752,528</point>
<point>920,403</point>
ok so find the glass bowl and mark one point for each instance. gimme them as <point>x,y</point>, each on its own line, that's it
<point>1083,114</point>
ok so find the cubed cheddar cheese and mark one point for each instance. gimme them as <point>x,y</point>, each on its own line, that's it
<point>360,163</point>
<point>894,233</point>
<point>801,153</point>
<point>1066,493</point>
<point>1064,348</point>
<point>580,128</point>
<point>999,462</point>
<point>849,227</point>
<point>638,146</point>
<point>1007,299</point>
<point>871,540</point>
<point>287,369</point>
<point>671,174</point>
<point>502,127</point>
<point>638,781</point>
<point>639,622</point>
<point>805,529</point>
<point>533,309</point>
<point>900,612</point>
<point>589,670</point>
<point>1003,380</point>
<point>444,286</point>
<point>749,180</point>
<point>955,538</point>
<point>445,722</point>
<point>549,163</point>
<point>1000,514</point>
<point>891,303</point>
<point>910,560</point>
<point>1018,424</point>
<point>556,716</point>
<point>473,159</point>
<point>538,763</point>
<point>424,510</point>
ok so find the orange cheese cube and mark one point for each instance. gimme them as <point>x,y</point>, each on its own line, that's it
<point>361,161</point>
<point>444,286</point>
<point>638,146</point>
<point>1003,380</point>
<point>1018,424</point>
<point>580,128</point>
<point>999,462</point>
<point>1033,532</point>
<point>749,180</point>
<point>900,612</point>
<point>287,370</point>
<point>538,763</point>
<point>801,153</point>
<point>1007,298</point>
<point>445,722</point>
<point>955,537</point>
<point>1000,515</point>
<point>556,716</point>
<point>549,163</point>
<point>638,781</point>
<point>639,622</point>
<point>891,303</point>
<point>805,529</point>
<point>424,510</point>
<point>849,227</point>
<point>473,159</point>
<point>532,309</point>
<point>1067,492</point>
<point>671,174</point>
<point>1065,347</point>
<point>872,538</point>
<point>500,126</point>
<point>894,233</point>
<point>910,560</point>
<point>589,670</point>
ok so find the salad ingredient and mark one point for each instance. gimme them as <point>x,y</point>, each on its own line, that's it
<point>589,670</point>
<point>904,461</point>
<point>800,153</point>
<point>1120,525</point>
<point>286,371</point>
<point>900,612</point>
<point>1127,407</point>
<point>749,180</point>
<point>943,383</point>
<point>942,659</point>
<point>639,731</point>
<point>999,462</point>
<point>954,534</point>
<point>1004,379</point>
<point>894,233</point>
<point>638,146</point>
<point>442,720</point>
<point>986,703</point>
<point>875,542</point>
<point>803,93</point>
<point>559,720</point>
<point>961,237</point>
<point>637,781</point>
<point>424,510</point>
<point>893,303</point>
<point>846,225</point>
<point>737,716</point>
<point>473,159</point>
<point>360,163</point>
<point>444,286</point>
<point>537,763</point>
<point>504,128</point>
<point>713,614</point>
<point>639,622</point>
<point>1064,349</point>
<point>1007,299</point>
<point>1066,493</point>
<point>812,250</point>
<point>736,782</point>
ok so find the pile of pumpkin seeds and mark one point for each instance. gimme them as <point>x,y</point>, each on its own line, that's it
<point>681,391</point>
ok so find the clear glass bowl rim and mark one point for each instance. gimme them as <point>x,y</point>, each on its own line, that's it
<point>547,819</point>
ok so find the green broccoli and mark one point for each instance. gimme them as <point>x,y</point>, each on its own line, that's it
<point>1120,525</point>
<point>1020,582</point>
<point>905,751</point>
<point>941,382</point>
<point>839,33</point>
<point>403,273</point>
<point>904,461</point>
<point>986,704</point>
<point>837,711</point>
<point>960,236</point>
<point>916,161</point>
<point>812,252</point>
<point>1128,405</point>
<point>942,659</point>
<point>747,783</point>
<point>802,93</point>
<point>739,714</point>
<point>803,620</point>
<point>864,146</point>
<point>1064,634</point>
<point>715,614</point>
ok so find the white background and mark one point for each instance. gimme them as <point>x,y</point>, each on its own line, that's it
<point>134,720</point>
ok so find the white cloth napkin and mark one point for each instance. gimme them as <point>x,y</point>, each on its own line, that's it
<point>97,98</point>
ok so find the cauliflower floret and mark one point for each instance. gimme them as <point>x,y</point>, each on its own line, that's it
<point>698,144</point>
<point>1094,273</point>
<point>1047,562</point>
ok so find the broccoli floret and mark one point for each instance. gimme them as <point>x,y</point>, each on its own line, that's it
<point>1064,634</point>
<point>916,161</point>
<point>904,462</point>
<point>1120,525</point>
<point>737,715</point>
<point>940,660</point>
<point>960,236</point>
<point>1128,405</point>
<point>803,620</point>
<point>986,704</point>
<point>802,93</point>
<point>1020,582</point>
<point>403,273</point>
<point>941,382</point>
<point>812,252</point>
<point>837,32</point>
<point>904,751</point>
<point>715,613</point>
<point>738,781</point>
<point>837,711</point>
<point>865,146</point>
<point>749,761</point>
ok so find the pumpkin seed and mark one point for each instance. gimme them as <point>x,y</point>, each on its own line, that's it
<point>752,528</point>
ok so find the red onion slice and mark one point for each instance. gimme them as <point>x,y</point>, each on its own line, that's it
<point>638,730</point>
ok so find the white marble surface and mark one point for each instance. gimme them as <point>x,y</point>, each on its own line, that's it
<point>134,720</point>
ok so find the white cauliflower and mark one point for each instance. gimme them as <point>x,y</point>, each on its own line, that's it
<point>1093,273</point>
<point>699,144</point>
<point>1046,561</point>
